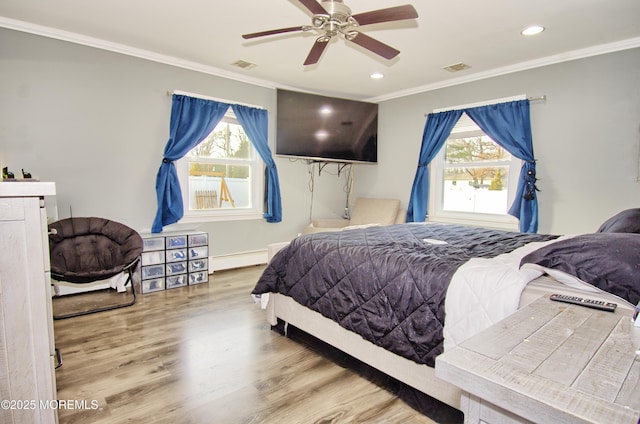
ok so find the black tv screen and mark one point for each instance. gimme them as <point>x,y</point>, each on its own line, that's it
<point>323,128</point>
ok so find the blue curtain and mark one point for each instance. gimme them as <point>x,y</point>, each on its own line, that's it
<point>436,131</point>
<point>509,125</point>
<point>254,122</point>
<point>192,119</point>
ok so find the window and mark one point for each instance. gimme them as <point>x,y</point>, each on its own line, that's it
<point>222,178</point>
<point>473,179</point>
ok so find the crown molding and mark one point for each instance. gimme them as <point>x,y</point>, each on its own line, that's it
<point>97,43</point>
<point>627,44</point>
<point>199,67</point>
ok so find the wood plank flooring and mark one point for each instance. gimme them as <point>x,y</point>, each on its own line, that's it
<point>205,354</point>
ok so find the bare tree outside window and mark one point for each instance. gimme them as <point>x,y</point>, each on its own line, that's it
<point>475,175</point>
<point>227,141</point>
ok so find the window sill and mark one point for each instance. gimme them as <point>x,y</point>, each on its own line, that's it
<point>506,223</point>
<point>230,215</point>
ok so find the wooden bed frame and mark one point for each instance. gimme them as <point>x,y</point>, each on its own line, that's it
<point>420,377</point>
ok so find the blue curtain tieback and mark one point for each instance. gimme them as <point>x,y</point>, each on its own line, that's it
<point>530,188</point>
<point>165,160</point>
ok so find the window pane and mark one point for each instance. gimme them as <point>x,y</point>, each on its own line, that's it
<point>222,178</point>
<point>474,149</point>
<point>226,141</point>
<point>219,186</point>
<point>476,189</point>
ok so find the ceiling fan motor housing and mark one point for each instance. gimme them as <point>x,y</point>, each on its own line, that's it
<point>338,11</point>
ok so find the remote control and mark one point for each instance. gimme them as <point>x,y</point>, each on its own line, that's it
<point>589,303</point>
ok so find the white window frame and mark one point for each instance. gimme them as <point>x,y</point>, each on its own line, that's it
<point>256,211</point>
<point>436,184</point>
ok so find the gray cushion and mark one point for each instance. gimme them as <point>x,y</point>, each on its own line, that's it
<point>627,221</point>
<point>608,261</point>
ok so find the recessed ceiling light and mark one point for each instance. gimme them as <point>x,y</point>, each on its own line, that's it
<point>532,30</point>
<point>376,75</point>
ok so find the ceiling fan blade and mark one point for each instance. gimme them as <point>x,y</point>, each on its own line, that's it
<point>397,13</point>
<point>273,32</point>
<point>373,45</point>
<point>316,51</point>
<point>314,7</point>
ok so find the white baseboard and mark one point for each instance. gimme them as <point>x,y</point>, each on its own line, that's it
<point>237,260</point>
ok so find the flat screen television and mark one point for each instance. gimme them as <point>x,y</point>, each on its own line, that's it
<point>328,129</point>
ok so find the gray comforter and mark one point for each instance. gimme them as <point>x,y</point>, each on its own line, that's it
<point>386,284</point>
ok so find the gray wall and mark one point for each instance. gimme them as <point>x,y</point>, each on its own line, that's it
<point>96,123</point>
<point>586,137</point>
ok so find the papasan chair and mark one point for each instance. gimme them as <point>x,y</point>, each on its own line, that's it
<point>89,249</point>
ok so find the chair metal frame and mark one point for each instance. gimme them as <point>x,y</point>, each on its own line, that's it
<point>129,269</point>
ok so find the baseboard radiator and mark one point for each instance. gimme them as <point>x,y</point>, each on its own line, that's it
<point>237,260</point>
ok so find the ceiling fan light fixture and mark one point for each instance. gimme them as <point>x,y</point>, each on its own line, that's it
<point>532,30</point>
<point>376,75</point>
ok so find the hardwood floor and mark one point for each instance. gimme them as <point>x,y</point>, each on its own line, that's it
<point>204,354</point>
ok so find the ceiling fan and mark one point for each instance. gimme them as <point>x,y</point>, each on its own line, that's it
<point>333,17</point>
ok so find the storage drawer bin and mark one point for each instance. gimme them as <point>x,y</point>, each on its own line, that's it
<point>176,255</point>
<point>153,271</point>
<point>198,239</point>
<point>152,258</point>
<point>198,265</point>
<point>176,268</point>
<point>155,284</point>
<point>198,252</point>
<point>154,243</point>
<point>174,242</point>
<point>174,259</point>
<point>198,277</point>
<point>176,281</point>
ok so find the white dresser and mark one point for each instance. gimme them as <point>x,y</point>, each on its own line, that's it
<point>27,369</point>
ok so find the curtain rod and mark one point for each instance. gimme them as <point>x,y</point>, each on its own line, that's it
<point>215,99</point>
<point>531,99</point>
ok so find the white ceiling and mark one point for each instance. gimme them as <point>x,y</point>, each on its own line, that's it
<point>206,35</point>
